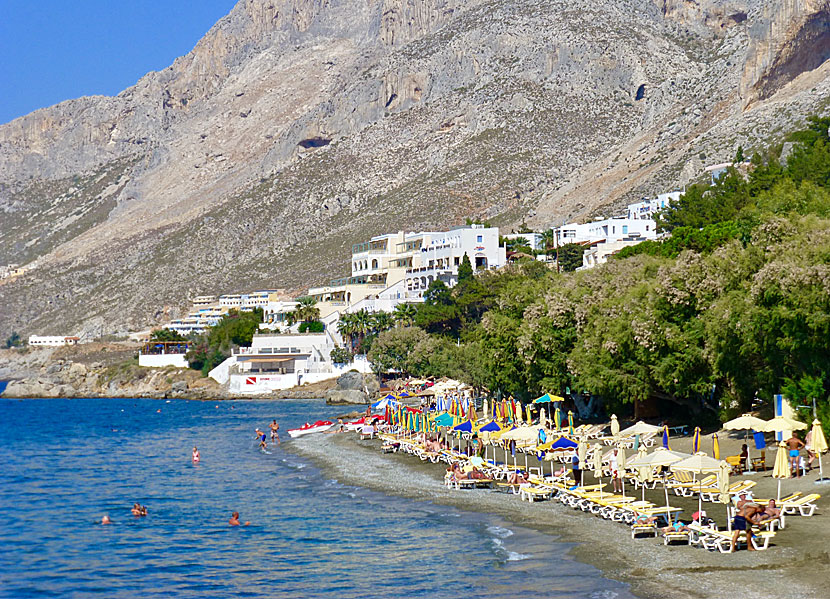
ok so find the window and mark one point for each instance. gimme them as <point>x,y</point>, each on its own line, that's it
<point>625,229</point>
<point>479,238</point>
<point>457,261</point>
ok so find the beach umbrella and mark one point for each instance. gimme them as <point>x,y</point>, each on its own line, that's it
<point>464,427</point>
<point>723,488</point>
<point>615,425</point>
<point>698,463</point>
<point>715,447</point>
<point>543,422</point>
<point>696,440</point>
<point>563,443</point>
<point>557,418</point>
<point>746,423</point>
<point>524,434</point>
<point>782,466</point>
<point>598,462</point>
<point>519,414</point>
<point>819,444</point>
<point>781,424</point>
<point>641,428</point>
<point>546,398</point>
<point>582,456</point>
<point>643,472</point>
<point>527,410</point>
<point>666,437</point>
<point>570,423</point>
<point>621,461</point>
<point>485,407</point>
<point>490,427</point>
<point>471,414</point>
<point>660,457</point>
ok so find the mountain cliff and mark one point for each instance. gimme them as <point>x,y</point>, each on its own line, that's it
<point>297,127</point>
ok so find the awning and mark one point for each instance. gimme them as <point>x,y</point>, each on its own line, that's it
<point>265,359</point>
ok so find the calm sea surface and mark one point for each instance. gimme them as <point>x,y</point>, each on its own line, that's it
<point>66,463</point>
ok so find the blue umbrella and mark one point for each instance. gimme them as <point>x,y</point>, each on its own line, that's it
<point>563,443</point>
<point>464,427</point>
<point>666,437</point>
<point>490,427</point>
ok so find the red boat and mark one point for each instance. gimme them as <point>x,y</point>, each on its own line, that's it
<point>307,428</point>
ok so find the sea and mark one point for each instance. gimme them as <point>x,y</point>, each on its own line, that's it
<point>65,463</point>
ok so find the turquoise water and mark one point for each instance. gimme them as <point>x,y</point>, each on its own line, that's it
<point>66,463</point>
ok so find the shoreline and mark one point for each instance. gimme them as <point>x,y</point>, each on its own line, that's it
<point>651,569</point>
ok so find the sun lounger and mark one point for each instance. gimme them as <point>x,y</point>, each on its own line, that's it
<point>805,506</point>
<point>643,529</point>
<point>532,493</point>
<point>675,536</point>
<point>721,539</point>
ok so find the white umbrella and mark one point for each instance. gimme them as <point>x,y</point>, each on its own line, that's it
<point>661,457</point>
<point>781,424</point>
<point>699,463</point>
<point>621,458</point>
<point>582,456</point>
<point>641,428</point>
<point>615,425</point>
<point>598,462</point>
<point>745,422</point>
<point>643,472</point>
<point>542,420</point>
<point>723,487</point>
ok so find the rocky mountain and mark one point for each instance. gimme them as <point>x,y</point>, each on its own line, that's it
<point>297,127</point>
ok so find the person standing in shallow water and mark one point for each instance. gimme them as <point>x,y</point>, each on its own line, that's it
<point>196,456</point>
<point>275,432</point>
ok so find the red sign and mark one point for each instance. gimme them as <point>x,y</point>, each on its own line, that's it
<point>251,380</point>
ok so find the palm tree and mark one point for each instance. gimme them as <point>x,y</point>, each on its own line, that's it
<point>404,315</point>
<point>363,324</point>
<point>382,321</point>
<point>346,326</point>
<point>306,309</point>
<point>548,239</point>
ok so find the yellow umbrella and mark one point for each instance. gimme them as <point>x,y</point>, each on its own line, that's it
<point>782,466</point>
<point>527,407</point>
<point>519,412</point>
<point>715,447</point>
<point>570,423</point>
<point>615,425</point>
<point>557,419</point>
<point>819,444</point>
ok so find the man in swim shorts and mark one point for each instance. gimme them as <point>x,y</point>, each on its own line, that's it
<point>234,521</point>
<point>275,432</point>
<point>743,522</point>
<point>261,436</point>
<point>794,444</point>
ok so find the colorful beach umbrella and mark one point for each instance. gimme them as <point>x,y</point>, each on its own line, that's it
<point>464,427</point>
<point>557,418</point>
<point>546,398</point>
<point>666,437</point>
<point>696,440</point>
<point>819,444</point>
<point>490,427</point>
<point>715,447</point>
<point>570,423</point>
<point>563,443</point>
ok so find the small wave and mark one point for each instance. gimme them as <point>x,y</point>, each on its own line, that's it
<point>500,532</point>
<point>506,554</point>
<point>605,594</point>
<point>352,495</point>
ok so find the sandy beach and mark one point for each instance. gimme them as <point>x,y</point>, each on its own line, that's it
<point>796,565</point>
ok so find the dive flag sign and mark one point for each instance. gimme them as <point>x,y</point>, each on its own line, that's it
<point>251,380</point>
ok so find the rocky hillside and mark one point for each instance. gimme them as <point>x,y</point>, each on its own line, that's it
<point>297,127</point>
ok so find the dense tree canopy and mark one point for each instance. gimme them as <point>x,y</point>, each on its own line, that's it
<point>734,303</point>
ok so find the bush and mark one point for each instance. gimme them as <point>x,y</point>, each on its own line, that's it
<point>315,326</point>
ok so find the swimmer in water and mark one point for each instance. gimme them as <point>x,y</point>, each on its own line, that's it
<point>261,436</point>
<point>196,456</point>
<point>136,511</point>
<point>234,521</point>
<point>106,520</point>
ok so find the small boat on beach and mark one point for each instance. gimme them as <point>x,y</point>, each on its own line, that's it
<point>308,428</point>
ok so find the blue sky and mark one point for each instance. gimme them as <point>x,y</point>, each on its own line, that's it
<point>54,50</point>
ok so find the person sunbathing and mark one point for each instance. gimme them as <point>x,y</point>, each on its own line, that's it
<point>676,526</point>
<point>642,519</point>
<point>517,478</point>
<point>767,514</point>
<point>476,474</point>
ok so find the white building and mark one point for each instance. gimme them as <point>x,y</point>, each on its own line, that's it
<point>598,253</point>
<point>198,321</point>
<point>277,361</point>
<point>534,239</point>
<point>51,340</point>
<point>647,209</point>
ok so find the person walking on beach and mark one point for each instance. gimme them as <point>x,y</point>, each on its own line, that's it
<point>794,444</point>
<point>275,432</point>
<point>614,464</point>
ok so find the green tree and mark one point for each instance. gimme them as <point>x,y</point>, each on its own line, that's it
<point>570,256</point>
<point>14,340</point>
<point>392,348</point>
<point>465,269</point>
<point>306,310</point>
<point>166,335</point>
<point>404,314</point>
